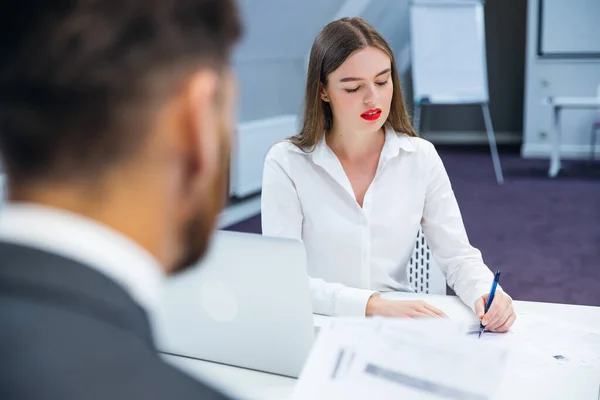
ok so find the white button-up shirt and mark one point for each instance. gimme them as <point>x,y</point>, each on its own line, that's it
<point>354,252</point>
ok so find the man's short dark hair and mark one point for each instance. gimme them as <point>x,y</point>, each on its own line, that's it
<point>77,76</point>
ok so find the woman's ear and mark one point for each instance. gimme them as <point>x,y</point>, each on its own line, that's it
<point>324,95</point>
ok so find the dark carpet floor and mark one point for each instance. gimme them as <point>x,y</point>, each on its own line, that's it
<point>542,233</point>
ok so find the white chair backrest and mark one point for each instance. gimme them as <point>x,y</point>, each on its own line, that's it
<point>423,273</point>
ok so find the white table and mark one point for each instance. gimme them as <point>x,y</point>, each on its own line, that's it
<point>577,384</point>
<point>557,104</point>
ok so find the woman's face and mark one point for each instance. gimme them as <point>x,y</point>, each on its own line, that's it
<point>360,91</point>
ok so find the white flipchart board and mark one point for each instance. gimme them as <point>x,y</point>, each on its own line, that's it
<point>448,52</point>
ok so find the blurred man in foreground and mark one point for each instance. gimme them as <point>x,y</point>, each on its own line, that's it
<point>115,122</point>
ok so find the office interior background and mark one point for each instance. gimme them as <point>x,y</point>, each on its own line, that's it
<point>543,232</point>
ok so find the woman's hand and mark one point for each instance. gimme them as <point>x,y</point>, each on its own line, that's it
<point>402,309</point>
<point>501,315</point>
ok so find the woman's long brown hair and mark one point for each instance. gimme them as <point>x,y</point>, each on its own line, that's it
<point>334,44</point>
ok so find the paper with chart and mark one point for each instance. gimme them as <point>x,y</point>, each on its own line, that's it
<point>392,358</point>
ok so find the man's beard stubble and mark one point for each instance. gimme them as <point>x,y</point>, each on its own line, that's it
<point>197,232</point>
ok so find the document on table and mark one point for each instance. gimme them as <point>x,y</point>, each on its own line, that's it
<point>393,358</point>
<point>538,345</point>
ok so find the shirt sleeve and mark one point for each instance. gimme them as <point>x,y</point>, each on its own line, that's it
<point>282,216</point>
<point>444,230</point>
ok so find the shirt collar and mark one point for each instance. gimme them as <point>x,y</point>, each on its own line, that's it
<point>323,156</point>
<point>394,142</point>
<point>84,240</point>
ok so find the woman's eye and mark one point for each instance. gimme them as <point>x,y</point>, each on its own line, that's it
<point>356,89</point>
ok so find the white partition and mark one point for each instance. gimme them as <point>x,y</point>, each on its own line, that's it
<point>564,75</point>
<point>253,141</point>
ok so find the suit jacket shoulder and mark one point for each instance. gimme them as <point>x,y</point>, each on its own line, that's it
<point>69,332</point>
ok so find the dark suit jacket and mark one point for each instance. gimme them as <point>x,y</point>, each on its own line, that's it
<point>69,332</point>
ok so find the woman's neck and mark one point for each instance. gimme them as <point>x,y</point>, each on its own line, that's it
<point>355,146</point>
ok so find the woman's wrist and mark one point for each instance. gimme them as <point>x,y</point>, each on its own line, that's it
<point>373,305</point>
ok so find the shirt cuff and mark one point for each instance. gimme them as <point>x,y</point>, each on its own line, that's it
<point>352,302</point>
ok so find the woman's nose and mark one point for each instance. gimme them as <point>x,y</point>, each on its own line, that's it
<point>371,96</point>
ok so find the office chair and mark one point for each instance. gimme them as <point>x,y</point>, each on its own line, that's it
<point>424,275</point>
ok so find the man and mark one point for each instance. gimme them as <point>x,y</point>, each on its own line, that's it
<point>115,121</point>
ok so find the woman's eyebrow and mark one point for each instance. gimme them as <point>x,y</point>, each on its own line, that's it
<point>351,79</point>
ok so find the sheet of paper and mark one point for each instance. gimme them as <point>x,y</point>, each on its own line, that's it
<point>391,358</point>
<point>539,345</point>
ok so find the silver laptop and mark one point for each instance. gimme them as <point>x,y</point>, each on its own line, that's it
<point>246,304</point>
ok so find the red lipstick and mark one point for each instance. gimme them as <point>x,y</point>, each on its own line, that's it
<point>371,115</point>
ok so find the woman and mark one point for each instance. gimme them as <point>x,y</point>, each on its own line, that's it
<point>356,184</point>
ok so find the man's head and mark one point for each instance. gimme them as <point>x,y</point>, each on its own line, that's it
<point>121,110</point>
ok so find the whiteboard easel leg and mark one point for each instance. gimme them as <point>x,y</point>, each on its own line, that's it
<point>492,140</point>
<point>417,117</point>
<point>555,153</point>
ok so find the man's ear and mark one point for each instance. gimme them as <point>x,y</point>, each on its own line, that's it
<point>203,121</point>
<point>324,95</point>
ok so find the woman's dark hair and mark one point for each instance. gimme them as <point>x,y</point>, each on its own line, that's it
<point>334,44</point>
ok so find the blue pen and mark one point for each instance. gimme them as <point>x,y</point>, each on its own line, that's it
<point>490,299</point>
